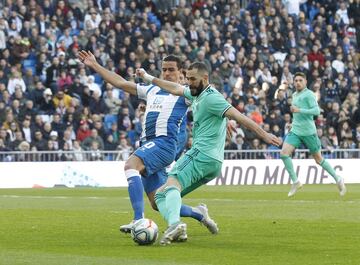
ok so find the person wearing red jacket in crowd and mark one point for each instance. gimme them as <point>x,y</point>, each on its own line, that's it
<point>83,131</point>
<point>316,55</point>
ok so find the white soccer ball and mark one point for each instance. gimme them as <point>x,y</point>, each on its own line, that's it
<point>144,231</point>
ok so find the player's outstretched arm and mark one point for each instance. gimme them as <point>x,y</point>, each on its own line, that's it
<point>116,80</point>
<point>269,138</point>
<point>171,87</point>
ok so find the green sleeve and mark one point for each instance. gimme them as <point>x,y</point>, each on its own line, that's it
<point>217,104</point>
<point>313,106</point>
<point>187,94</point>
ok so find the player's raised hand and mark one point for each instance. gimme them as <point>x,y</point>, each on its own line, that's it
<point>272,139</point>
<point>140,72</point>
<point>87,58</point>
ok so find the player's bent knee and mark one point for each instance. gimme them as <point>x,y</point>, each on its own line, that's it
<point>171,181</point>
<point>318,161</point>
<point>284,154</point>
<point>134,163</point>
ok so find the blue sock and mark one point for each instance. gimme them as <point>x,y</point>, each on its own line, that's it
<point>136,191</point>
<point>187,211</point>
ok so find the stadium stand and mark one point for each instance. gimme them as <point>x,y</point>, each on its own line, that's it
<point>253,48</point>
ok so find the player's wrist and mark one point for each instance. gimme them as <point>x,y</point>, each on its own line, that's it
<point>148,78</point>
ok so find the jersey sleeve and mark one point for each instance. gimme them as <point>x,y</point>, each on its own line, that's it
<point>217,104</point>
<point>143,90</point>
<point>187,95</point>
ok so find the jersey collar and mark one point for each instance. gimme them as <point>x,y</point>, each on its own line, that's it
<point>208,86</point>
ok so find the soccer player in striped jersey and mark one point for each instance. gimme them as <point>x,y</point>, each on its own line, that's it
<point>303,130</point>
<point>203,161</point>
<point>145,169</point>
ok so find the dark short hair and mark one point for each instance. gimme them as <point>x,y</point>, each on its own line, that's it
<point>301,74</point>
<point>174,58</point>
<point>199,66</point>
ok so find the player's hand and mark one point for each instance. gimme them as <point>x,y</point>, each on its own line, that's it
<point>272,139</point>
<point>294,109</point>
<point>230,129</point>
<point>140,72</point>
<point>87,58</point>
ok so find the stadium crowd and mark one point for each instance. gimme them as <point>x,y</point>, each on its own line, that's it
<point>50,101</point>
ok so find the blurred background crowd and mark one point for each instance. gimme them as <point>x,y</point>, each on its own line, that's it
<point>50,101</point>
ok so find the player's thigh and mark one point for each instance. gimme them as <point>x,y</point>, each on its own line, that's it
<point>291,142</point>
<point>194,169</point>
<point>157,154</point>
<point>134,162</point>
<point>208,169</point>
<point>312,142</point>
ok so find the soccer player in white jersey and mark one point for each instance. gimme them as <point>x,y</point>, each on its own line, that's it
<point>145,169</point>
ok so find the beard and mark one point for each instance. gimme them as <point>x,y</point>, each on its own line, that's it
<point>196,90</point>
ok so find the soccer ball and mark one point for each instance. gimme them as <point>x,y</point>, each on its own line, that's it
<point>144,232</point>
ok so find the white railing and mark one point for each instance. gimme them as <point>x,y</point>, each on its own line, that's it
<point>33,156</point>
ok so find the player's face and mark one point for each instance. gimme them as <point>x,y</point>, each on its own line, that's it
<point>195,82</point>
<point>300,83</point>
<point>170,72</point>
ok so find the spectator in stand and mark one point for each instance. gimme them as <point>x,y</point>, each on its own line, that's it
<point>39,142</point>
<point>15,81</point>
<point>113,104</point>
<point>125,150</point>
<point>78,151</point>
<point>95,153</point>
<point>50,155</point>
<point>239,40</point>
<point>87,143</point>
<point>83,132</point>
<point>47,105</point>
<point>98,104</point>
<point>64,81</point>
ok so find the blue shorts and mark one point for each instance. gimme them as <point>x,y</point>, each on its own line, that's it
<point>155,181</point>
<point>157,154</point>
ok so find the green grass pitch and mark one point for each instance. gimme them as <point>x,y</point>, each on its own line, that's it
<point>258,225</point>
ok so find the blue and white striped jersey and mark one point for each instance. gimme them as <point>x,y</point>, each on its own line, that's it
<point>164,112</point>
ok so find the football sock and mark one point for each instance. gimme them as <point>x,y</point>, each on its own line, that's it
<point>187,211</point>
<point>325,165</point>
<point>289,167</point>
<point>136,191</point>
<point>173,204</point>
<point>161,204</point>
